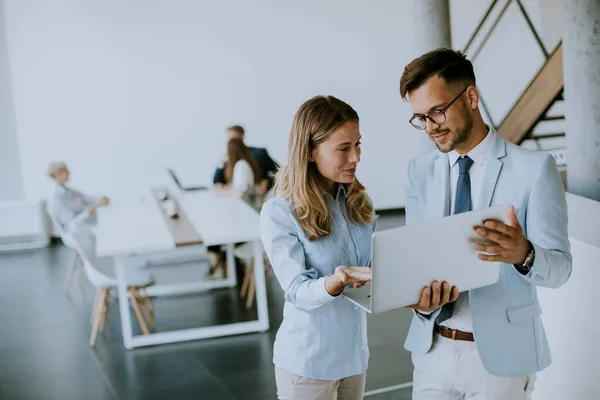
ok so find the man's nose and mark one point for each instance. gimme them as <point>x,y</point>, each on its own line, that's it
<point>430,126</point>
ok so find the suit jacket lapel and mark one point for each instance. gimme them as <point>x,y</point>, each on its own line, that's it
<point>493,166</point>
<point>441,188</point>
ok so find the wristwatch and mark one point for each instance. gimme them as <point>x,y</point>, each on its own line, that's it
<point>528,263</point>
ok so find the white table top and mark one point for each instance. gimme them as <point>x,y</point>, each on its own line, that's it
<point>140,227</point>
<point>221,218</point>
<point>131,228</point>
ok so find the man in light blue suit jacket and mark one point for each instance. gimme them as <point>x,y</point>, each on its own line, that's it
<point>486,343</point>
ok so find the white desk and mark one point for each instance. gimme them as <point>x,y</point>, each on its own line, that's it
<point>128,228</point>
<point>219,219</point>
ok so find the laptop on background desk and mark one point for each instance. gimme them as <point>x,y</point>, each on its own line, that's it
<point>406,259</point>
<point>173,176</point>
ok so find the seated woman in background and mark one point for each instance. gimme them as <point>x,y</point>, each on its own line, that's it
<point>315,230</point>
<point>266,165</point>
<point>241,172</point>
<point>242,177</point>
<point>70,208</point>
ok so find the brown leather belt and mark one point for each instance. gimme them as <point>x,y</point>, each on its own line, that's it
<point>454,334</point>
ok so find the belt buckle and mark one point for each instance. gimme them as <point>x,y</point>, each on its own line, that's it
<point>453,332</point>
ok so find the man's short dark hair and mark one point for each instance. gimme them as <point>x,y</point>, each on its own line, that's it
<point>449,64</point>
<point>237,128</point>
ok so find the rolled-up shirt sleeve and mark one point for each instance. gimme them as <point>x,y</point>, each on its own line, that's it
<point>302,285</point>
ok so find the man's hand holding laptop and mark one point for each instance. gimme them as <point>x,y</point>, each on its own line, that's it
<point>507,244</point>
<point>435,296</point>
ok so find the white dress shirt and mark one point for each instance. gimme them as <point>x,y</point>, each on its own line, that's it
<point>243,176</point>
<point>243,182</point>
<point>461,316</point>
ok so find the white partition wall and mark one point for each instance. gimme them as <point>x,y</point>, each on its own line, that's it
<point>570,315</point>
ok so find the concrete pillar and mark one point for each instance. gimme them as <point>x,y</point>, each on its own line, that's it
<point>581,43</point>
<point>431,19</point>
<point>11,185</point>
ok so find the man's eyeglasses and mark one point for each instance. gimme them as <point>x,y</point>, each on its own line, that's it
<point>438,116</point>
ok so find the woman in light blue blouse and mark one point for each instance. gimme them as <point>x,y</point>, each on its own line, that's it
<point>317,234</point>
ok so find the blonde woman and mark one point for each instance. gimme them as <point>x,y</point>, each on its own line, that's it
<point>317,234</point>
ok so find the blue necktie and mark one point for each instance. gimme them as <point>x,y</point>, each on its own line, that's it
<point>461,205</point>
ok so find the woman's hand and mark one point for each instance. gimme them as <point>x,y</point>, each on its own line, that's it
<point>356,275</point>
<point>345,276</point>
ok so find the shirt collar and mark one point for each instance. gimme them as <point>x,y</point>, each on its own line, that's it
<point>60,189</point>
<point>341,191</point>
<point>478,154</point>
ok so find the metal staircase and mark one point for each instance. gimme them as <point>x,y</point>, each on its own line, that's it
<point>536,120</point>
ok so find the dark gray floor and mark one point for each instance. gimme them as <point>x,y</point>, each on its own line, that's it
<point>401,394</point>
<point>44,351</point>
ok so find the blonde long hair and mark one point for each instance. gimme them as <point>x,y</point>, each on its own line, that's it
<point>299,180</point>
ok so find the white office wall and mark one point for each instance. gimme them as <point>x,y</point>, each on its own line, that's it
<point>552,22</point>
<point>11,187</point>
<point>120,90</point>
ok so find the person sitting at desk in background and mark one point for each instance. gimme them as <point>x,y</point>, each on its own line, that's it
<point>319,223</point>
<point>71,208</point>
<point>266,166</point>
<point>241,176</point>
<point>241,171</point>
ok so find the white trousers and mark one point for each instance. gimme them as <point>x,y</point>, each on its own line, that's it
<point>452,370</point>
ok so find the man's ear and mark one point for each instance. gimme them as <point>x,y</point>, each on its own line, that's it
<point>472,97</point>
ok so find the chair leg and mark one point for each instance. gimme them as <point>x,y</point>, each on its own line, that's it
<point>95,307</point>
<point>246,281</point>
<point>250,298</point>
<point>147,310</point>
<point>138,312</point>
<point>100,295</point>
<point>81,269</point>
<point>148,301</point>
<point>104,310</point>
<point>71,270</point>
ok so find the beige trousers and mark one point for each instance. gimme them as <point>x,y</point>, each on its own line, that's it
<point>294,387</point>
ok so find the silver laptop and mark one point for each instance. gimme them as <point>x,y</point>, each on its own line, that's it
<point>406,259</point>
<point>175,178</point>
